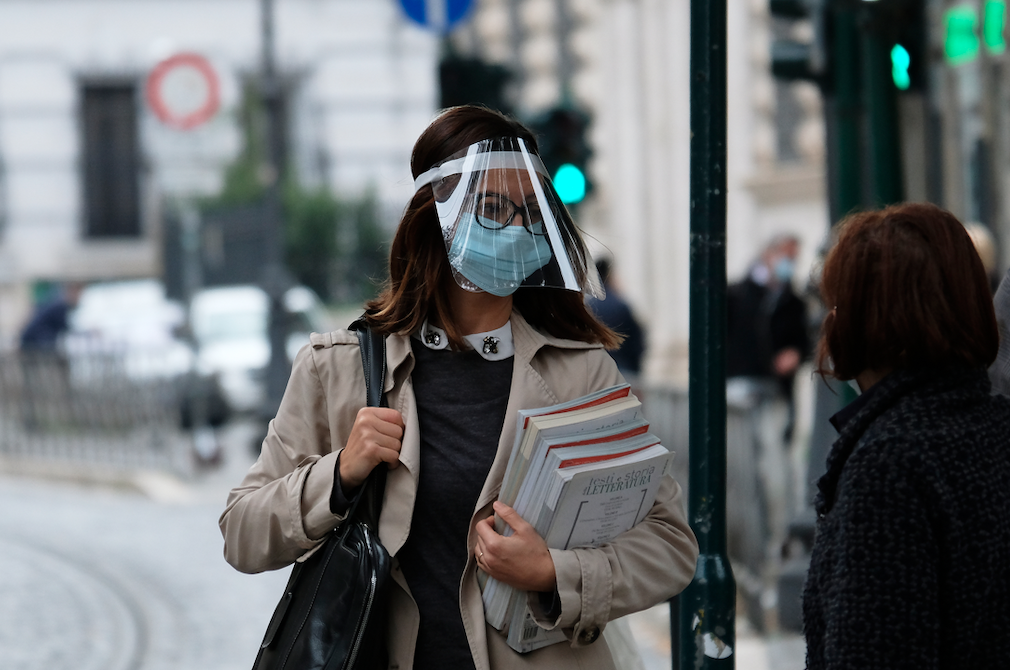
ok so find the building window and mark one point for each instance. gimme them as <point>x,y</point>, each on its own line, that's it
<point>111,164</point>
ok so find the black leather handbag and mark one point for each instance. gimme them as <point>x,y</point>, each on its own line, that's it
<point>333,612</point>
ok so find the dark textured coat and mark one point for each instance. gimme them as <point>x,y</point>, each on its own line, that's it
<point>911,563</point>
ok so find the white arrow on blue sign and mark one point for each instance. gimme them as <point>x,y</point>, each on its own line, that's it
<point>439,15</point>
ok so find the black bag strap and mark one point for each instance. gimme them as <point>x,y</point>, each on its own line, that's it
<point>373,361</point>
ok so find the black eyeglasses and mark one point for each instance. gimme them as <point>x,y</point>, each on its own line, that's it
<point>495,211</point>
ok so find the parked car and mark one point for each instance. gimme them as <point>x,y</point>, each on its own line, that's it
<point>230,327</point>
<point>133,323</point>
<point>130,329</point>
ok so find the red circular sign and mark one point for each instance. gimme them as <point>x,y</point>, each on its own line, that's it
<point>184,91</point>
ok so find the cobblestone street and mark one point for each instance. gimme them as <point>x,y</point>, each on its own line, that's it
<point>99,578</point>
<point>132,578</point>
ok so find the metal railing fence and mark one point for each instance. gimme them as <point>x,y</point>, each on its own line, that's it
<point>91,408</point>
<point>105,410</point>
<point>753,501</point>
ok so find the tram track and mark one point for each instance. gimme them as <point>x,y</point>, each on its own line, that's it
<point>81,611</point>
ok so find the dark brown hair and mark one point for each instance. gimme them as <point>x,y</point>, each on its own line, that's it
<point>419,271</point>
<point>906,290</point>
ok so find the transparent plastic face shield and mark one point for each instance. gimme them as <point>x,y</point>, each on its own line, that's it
<point>503,224</point>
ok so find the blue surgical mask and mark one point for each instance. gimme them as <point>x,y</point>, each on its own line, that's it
<point>784,268</point>
<point>496,261</point>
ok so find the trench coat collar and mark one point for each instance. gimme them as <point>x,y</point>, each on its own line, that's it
<point>526,339</point>
<point>893,389</point>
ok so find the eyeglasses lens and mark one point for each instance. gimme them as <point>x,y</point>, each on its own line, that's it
<point>502,212</point>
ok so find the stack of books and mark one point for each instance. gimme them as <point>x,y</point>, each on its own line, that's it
<point>580,473</point>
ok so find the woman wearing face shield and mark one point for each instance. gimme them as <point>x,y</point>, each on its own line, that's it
<point>484,315</point>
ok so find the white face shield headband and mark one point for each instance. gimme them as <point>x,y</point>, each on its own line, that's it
<point>503,224</point>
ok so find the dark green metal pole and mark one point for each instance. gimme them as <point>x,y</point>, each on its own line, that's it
<point>845,152</point>
<point>274,278</point>
<point>845,187</point>
<point>845,171</point>
<point>707,606</point>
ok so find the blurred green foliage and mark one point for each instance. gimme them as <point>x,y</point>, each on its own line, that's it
<point>334,245</point>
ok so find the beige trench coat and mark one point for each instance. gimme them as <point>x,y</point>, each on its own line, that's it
<point>281,509</point>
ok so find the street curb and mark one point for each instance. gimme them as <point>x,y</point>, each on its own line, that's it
<point>154,484</point>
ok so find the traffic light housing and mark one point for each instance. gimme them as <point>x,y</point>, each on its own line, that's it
<point>900,23</point>
<point>564,149</point>
<point>472,81</point>
<point>792,59</point>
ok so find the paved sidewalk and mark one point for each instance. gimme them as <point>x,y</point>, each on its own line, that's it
<point>132,578</point>
<point>779,652</point>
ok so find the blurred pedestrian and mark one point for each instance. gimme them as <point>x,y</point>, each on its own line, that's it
<point>483,315</point>
<point>909,566</point>
<point>44,367</point>
<point>985,245</point>
<point>50,320</point>
<point>999,371</point>
<point>616,314</point>
<point>767,322</point>
<point>767,341</point>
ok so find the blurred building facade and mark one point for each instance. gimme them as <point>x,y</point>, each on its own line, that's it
<point>362,83</point>
<point>87,169</point>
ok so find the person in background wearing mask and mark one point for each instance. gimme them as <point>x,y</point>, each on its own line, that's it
<point>767,340</point>
<point>767,321</point>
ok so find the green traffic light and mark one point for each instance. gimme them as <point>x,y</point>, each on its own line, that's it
<point>570,184</point>
<point>961,43</point>
<point>993,22</point>
<point>900,60</point>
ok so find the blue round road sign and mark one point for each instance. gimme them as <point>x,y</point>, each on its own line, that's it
<point>436,14</point>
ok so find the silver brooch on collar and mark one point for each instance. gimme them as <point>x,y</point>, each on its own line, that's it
<point>432,338</point>
<point>491,345</point>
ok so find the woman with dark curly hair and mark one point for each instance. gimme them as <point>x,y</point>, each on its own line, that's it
<point>910,562</point>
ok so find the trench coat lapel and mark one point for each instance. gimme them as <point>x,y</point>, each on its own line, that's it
<point>528,390</point>
<point>401,481</point>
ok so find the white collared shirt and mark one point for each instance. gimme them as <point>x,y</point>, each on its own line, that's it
<point>494,345</point>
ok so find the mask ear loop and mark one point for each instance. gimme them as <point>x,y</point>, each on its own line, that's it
<point>552,225</point>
